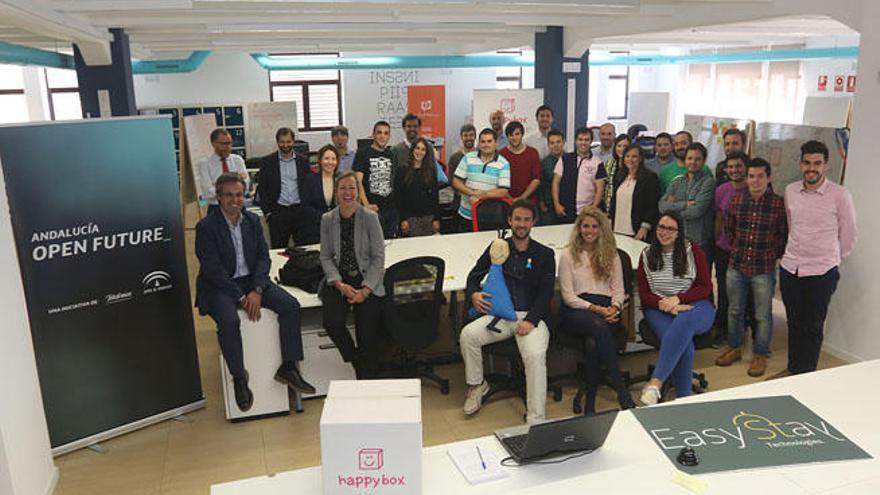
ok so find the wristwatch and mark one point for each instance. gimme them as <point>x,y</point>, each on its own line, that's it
<point>259,290</point>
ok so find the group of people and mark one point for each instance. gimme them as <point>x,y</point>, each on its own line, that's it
<point>691,216</point>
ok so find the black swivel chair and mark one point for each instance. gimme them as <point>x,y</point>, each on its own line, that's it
<point>650,338</point>
<point>490,214</point>
<point>413,296</point>
<point>577,345</point>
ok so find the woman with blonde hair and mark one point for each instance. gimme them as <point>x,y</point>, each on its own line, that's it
<point>591,282</point>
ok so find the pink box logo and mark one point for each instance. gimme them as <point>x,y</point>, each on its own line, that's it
<point>370,459</point>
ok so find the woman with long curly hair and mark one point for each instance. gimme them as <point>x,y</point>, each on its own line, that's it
<point>591,282</point>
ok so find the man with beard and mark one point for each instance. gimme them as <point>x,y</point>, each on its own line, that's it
<point>468,134</point>
<point>538,138</point>
<point>662,153</point>
<point>607,133</point>
<point>734,142</point>
<point>680,144</point>
<point>822,232</point>
<point>496,121</point>
<point>282,174</point>
<point>530,274</point>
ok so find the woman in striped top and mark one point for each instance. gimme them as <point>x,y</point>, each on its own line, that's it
<point>676,294</point>
<point>591,283</point>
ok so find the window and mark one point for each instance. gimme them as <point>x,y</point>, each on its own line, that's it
<point>63,89</point>
<point>509,77</point>
<point>12,98</point>
<point>317,93</point>
<point>617,91</point>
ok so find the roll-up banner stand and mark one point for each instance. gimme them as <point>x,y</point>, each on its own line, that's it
<point>95,209</point>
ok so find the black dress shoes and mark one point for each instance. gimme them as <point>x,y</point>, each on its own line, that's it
<point>294,380</point>
<point>243,395</point>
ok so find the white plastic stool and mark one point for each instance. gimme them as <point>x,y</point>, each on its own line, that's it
<point>262,357</point>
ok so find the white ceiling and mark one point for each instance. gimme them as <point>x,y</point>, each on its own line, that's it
<point>169,28</point>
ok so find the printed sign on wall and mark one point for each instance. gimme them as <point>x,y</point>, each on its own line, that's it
<point>429,103</point>
<point>823,83</point>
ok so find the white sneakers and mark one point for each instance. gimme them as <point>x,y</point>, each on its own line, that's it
<point>650,395</point>
<point>474,399</point>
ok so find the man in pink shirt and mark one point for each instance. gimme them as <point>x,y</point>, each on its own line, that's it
<point>822,232</point>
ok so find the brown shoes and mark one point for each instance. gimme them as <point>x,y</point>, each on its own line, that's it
<point>782,374</point>
<point>758,366</point>
<point>729,357</point>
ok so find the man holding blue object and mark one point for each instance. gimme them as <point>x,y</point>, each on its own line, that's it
<point>529,273</point>
<point>234,274</point>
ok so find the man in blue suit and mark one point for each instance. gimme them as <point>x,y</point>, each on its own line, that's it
<point>233,275</point>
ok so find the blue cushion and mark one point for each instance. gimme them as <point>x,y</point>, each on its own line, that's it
<point>502,305</point>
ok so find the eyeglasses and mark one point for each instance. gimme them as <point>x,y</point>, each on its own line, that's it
<point>666,228</point>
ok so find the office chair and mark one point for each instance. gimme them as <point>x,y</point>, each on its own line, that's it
<point>634,131</point>
<point>568,341</point>
<point>647,145</point>
<point>413,296</point>
<point>650,338</point>
<point>490,214</point>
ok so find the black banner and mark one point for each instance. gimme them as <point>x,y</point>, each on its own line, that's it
<point>95,208</point>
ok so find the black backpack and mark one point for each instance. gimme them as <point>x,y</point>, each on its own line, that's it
<point>302,270</point>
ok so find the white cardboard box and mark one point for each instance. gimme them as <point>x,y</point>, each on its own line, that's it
<point>371,437</point>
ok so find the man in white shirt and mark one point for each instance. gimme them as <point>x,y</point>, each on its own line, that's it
<point>538,138</point>
<point>606,138</point>
<point>221,162</point>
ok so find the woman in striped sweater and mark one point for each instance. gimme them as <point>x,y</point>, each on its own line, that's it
<point>676,293</point>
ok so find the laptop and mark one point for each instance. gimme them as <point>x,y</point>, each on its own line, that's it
<point>576,434</point>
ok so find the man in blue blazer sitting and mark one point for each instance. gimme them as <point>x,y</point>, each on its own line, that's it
<point>233,275</point>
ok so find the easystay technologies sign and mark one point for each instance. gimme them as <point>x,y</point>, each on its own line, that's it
<point>746,434</point>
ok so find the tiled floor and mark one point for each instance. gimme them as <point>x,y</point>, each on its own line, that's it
<point>186,458</point>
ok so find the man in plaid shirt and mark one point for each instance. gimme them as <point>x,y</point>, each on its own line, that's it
<point>758,229</point>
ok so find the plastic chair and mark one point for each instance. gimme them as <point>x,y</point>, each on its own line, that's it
<point>490,214</point>
<point>413,296</point>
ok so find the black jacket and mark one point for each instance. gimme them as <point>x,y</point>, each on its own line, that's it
<point>530,276</point>
<point>314,206</point>
<point>216,255</point>
<point>269,183</point>
<point>646,196</point>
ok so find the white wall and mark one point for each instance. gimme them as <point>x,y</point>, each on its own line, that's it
<point>222,78</point>
<point>812,69</point>
<point>237,78</point>
<point>852,331</point>
<point>26,459</point>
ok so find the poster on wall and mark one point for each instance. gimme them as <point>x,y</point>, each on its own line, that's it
<point>429,103</point>
<point>100,245</point>
<point>780,144</point>
<point>263,119</point>
<point>710,130</point>
<point>517,104</point>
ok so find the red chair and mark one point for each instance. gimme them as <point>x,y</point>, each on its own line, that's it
<point>490,214</point>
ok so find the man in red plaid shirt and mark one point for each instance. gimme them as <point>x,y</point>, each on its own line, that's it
<point>758,230</point>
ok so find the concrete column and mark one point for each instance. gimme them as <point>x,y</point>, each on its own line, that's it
<point>851,330</point>
<point>565,81</point>
<point>36,93</point>
<point>114,80</point>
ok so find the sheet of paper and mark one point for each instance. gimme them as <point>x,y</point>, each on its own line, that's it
<point>477,463</point>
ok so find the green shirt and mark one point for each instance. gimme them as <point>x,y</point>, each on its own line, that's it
<point>548,164</point>
<point>673,170</point>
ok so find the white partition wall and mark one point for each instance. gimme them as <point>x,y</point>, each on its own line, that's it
<point>852,330</point>
<point>25,458</point>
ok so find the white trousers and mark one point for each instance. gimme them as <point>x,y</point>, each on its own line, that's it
<point>532,349</point>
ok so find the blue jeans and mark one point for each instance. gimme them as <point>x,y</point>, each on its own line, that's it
<point>762,287</point>
<point>676,335</point>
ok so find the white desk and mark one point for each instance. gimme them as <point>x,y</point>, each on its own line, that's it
<point>630,462</point>
<point>459,251</point>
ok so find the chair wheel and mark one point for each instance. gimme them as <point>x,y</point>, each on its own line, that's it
<point>576,407</point>
<point>557,395</point>
<point>444,388</point>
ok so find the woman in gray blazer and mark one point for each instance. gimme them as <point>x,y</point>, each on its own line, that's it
<point>353,259</point>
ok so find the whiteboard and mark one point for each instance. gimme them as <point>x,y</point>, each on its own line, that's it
<point>262,119</point>
<point>826,111</point>
<point>780,144</point>
<point>650,109</point>
<point>517,104</point>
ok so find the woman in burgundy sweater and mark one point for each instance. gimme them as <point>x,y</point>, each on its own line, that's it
<point>676,293</point>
